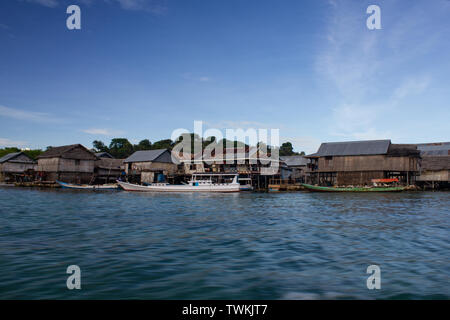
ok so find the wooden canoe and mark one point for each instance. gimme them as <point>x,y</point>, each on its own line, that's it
<point>88,187</point>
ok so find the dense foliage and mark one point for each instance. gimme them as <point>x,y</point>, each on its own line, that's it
<point>121,148</point>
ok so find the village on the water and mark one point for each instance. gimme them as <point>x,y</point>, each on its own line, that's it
<point>371,165</point>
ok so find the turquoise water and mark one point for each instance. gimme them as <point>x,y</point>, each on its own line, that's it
<point>223,246</point>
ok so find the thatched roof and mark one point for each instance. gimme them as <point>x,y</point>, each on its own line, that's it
<point>73,151</point>
<point>397,150</point>
<point>435,163</point>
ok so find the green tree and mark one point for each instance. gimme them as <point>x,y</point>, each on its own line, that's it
<point>120,148</point>
<point>5,151</point>
<point>99,146</point>
<point>143,145</point>
<point>286,149</point>
<point>163,144</point>
<point>33,154</point>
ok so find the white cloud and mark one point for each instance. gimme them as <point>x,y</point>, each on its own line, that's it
<point>102,132</point>
<point>46,3</point>
<point>307,144</point>
<point>153,6</point>
<point>5,142</point>
<point>359,63</point>
<point>412,86</point>
<point>18,114</point>
<point>240,124</point>
<point>190,76</point>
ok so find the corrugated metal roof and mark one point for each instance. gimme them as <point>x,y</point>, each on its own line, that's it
<point>9,156</point>
<point>145,155</point>
<point>294,161</point>
<point>354,148</point>
<point>103,155</point>
<point>434,149</point>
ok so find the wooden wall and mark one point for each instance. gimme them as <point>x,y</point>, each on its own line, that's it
<point>70,177</point>
<point>170,168</point>
<point>197,167</point>
<point>10,167</point>
<point>435,175</point>
<point>65,165</point>
<point>70,165</point>
<point>48,164</point>
<point>358,178</point>
<point>367,163</point>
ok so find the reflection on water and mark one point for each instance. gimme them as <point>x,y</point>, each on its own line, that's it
<point>223,246</point>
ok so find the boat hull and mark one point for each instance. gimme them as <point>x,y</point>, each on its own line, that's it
<point>358,189</point>
<point>234,187</point>
<point>88,187</point>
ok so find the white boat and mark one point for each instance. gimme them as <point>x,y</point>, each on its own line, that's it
<point>198,183</point>
<point>112,186</point>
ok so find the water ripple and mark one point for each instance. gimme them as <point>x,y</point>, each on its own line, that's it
<point>223,246</point>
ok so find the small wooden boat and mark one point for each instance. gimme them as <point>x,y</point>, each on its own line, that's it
<point>112,186</point>
<point>352,189</point>
<point>198,183</point>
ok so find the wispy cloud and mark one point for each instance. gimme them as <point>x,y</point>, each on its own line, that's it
<point>102,132</point>
<point>307,144</point>
<point>5,142</point>
<point>371,69</point>
<point>25,115</point>
<point>199,78</point>
<point>6,29</point>
<point>204,79</point>
<point>238,124</point>
<point>46,3</point>
<point>154,6</point>
<point>412,86</point>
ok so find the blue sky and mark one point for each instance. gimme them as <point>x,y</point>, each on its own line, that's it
<point>141,69</point>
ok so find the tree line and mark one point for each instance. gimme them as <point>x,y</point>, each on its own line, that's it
<point>121,148</point>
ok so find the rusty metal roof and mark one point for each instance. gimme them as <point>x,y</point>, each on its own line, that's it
<point>434,149</point>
